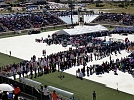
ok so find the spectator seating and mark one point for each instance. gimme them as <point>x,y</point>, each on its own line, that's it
<point>53,6</point>
<point>20,21</point>
<point>123,30</point>
<point>14,22</point>
<point>114,18</point>
<point>30,8</point>
<point>1,29</point>
<point>128,20</point>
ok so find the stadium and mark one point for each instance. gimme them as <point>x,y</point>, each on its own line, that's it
<point>58,51</point>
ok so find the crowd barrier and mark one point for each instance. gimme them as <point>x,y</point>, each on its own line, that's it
<point>27,89</point>
<point>32,92</point>
<point>23,95</point>
<point>30,82</point>
<point>60,91</point>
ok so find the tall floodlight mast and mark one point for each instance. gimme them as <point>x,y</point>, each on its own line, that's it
<point>71,8</point>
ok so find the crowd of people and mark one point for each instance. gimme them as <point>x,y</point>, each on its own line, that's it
<point>20,21</point>
<point>63,60</point>
<point>2,29</point>
<point>82,40</point>
<point>121,30</point>
<point>81,55</point>
<point>120,19</point>
<point>11,95</point>
<point>125,64</point>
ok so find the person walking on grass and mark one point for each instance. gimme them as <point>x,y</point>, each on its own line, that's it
<point>9,53</point>
<point>94,95</point>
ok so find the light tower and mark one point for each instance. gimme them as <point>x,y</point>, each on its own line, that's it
<point>71,9</point>
<point>80,17</point>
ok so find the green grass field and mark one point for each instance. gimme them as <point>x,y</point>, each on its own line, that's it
<point>113,8</point>
<point>5,59</point>
<point>82,89</point>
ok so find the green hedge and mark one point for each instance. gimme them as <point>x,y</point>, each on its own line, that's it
<point>99,5</point>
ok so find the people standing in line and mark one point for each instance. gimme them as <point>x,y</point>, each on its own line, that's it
<point>35,68</point>
<point>14,73</point>
<point>38,68</point>
<point>94,95</point>
<point>22,69</point>
<point>91,57</point>
<point>110,58</point>
<point>31,71</point>
<point>91,69</point>
<point>19,71</point>
<point>41,69</point>
<point>42,64</point>
<point>46,92</point>
<point>87,71</point>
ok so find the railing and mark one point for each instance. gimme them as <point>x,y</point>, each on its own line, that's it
<point>25,95</point>
<point>60,91</point>
<point>29,90</point>
<point>31,93</point>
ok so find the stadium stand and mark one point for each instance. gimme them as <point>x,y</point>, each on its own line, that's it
<point>1,29</point>
<point>30,8</point>
<point>120,30</point>
<point>21,21</point>
<point>56,6</point>
<point>14,22</point>
<point>114,18</point>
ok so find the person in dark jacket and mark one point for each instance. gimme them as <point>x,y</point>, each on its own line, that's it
<point>4,95</point>
<point>94,95</point>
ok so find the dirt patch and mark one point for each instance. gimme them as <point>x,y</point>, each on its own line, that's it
<point>129,86</point>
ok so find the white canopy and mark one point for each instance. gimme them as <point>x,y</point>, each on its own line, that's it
<point>82,30</point>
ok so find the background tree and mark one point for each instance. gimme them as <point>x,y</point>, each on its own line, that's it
<point>57,1</point>
<point>21,0</point>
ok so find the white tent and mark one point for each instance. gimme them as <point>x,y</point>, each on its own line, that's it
<point>82,30</point>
